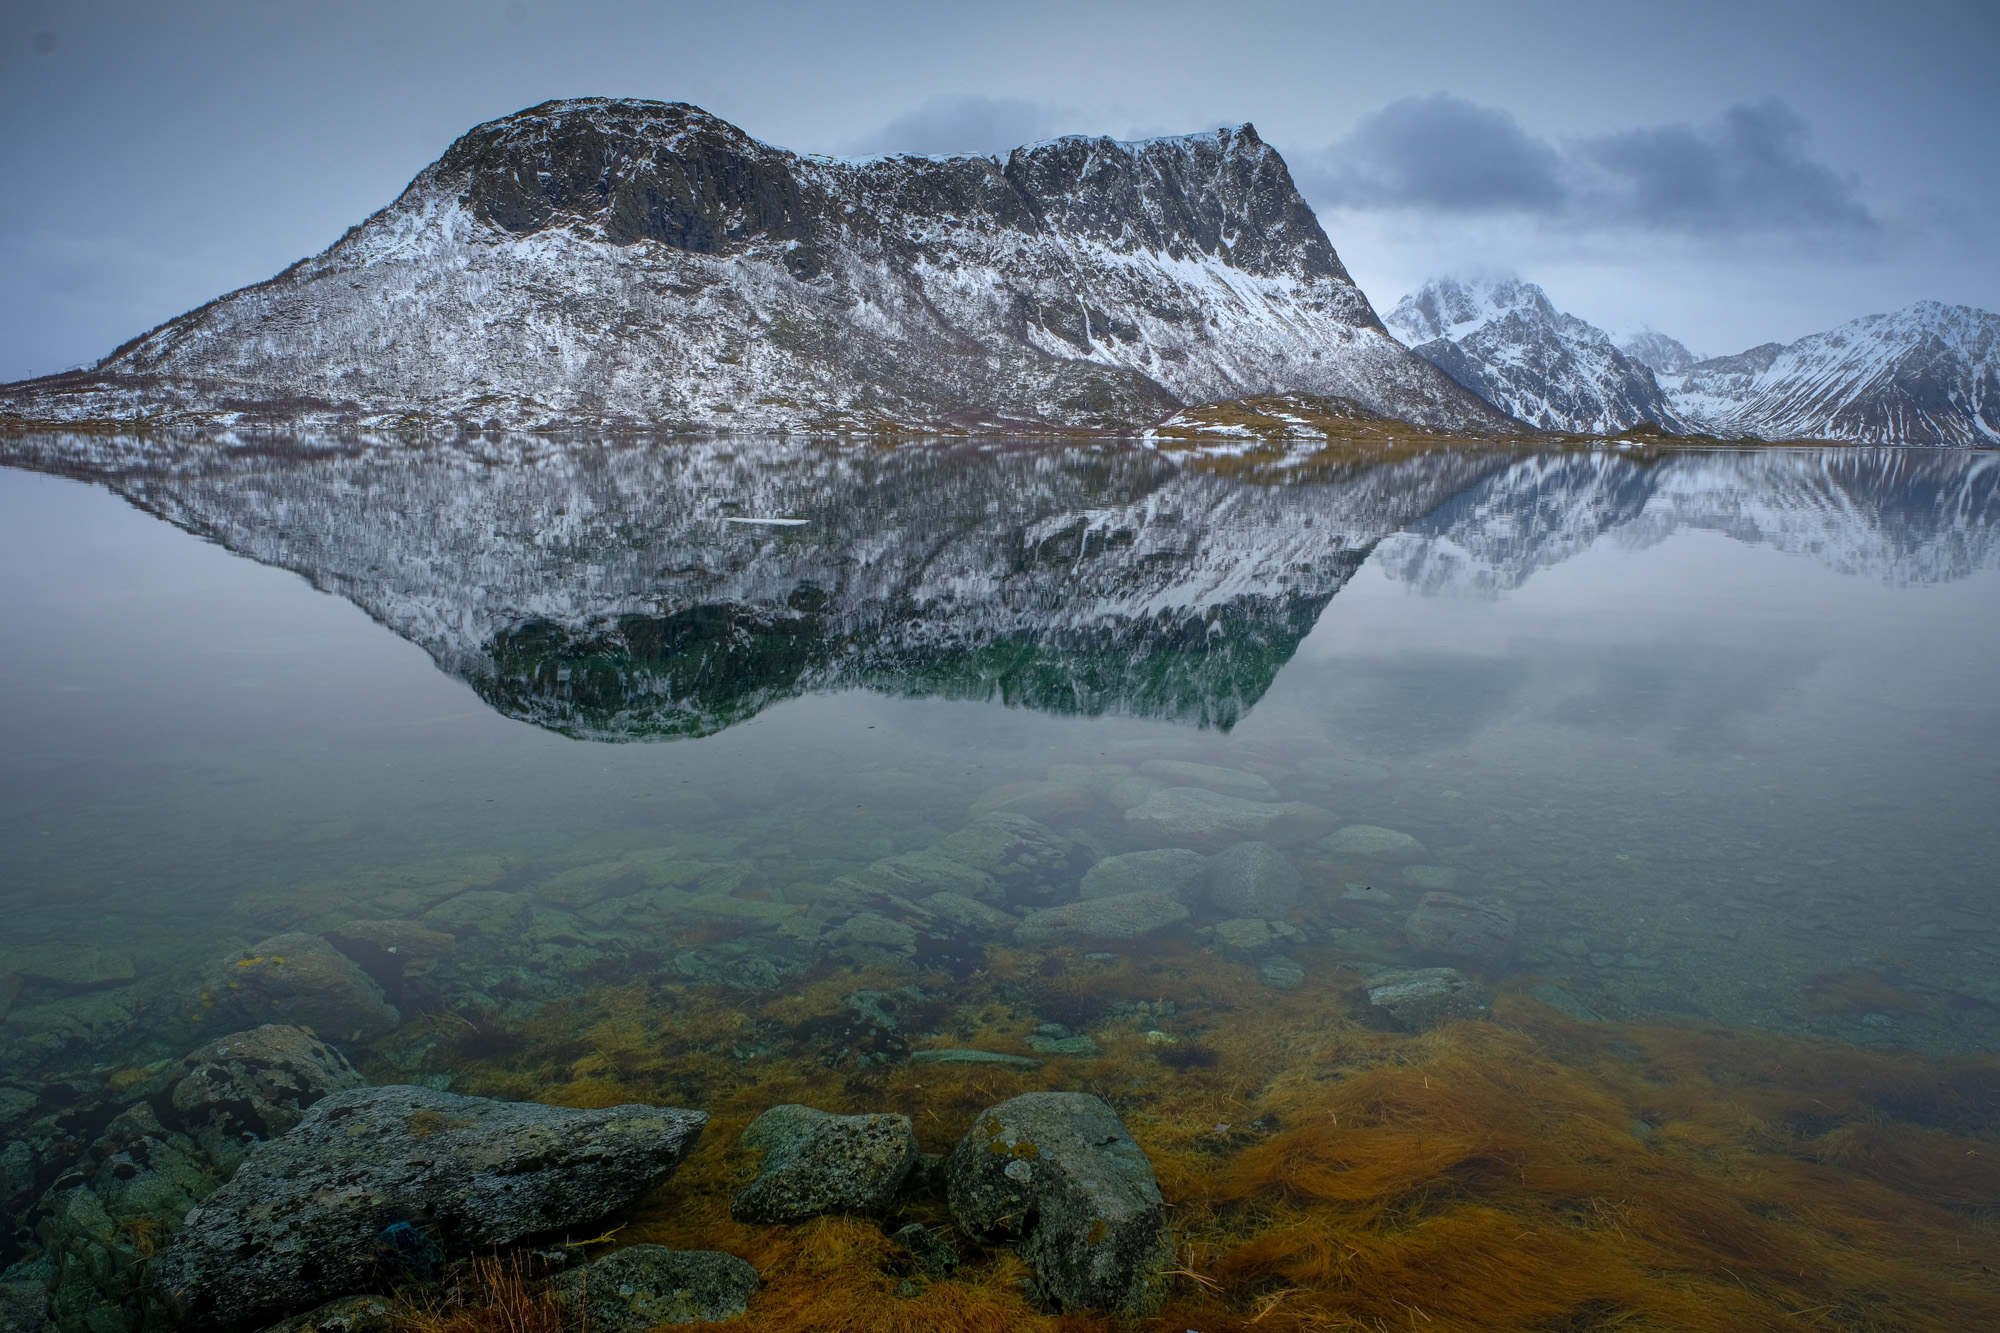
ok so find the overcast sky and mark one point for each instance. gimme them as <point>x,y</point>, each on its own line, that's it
<point>1730,173</point>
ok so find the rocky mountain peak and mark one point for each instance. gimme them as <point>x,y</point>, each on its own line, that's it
<point>1505,340</point>
<point>1657,352</point>
<point>625,171</point>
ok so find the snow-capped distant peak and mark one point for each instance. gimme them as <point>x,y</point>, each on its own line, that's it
<point>1505,340</point>
<point>1657,352</point>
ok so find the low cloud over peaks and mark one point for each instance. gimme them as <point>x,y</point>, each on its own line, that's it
<point>968,125</point>
<point>1751,170</point>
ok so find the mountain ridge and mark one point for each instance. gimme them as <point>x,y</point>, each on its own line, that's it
<point>615,264</point>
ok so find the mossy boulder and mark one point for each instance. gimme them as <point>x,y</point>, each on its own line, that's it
<point>816,1163</point>
<point>1056,1173</point>
<point>305,1218</point>
<point>644,1286</point>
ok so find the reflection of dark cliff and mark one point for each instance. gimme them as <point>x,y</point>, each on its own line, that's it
<point>707,667</point>
<point>640,591</point>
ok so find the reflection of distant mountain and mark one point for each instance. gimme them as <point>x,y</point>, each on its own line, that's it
<point>1905,516</point>
<point>618,592</point>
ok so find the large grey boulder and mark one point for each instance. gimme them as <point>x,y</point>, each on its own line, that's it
<point>24,1307</point>
<point>1253,879</point>
<point>1200,818</point>
<point>643,1286</point>
<point>303,1220</point>
<point>1448,929</point>
<point>1125,917</point>
<point>1174,871</point>
<point>303,981</point>
<point>815,1163</point>
<point>1056,1173</point>
<point>256,1085</point>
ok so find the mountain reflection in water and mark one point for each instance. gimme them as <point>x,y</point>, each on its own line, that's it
<point>626,591</point>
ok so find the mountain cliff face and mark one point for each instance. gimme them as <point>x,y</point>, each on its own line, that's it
<point>1507,343</point>
<point>1929,374</point>
<point>603,264</point>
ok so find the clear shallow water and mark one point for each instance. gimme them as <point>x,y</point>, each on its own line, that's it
<point>1718,727</point>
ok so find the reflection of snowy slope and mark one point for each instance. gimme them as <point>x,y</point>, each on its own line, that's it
<point>615,591</point>
<point>1892,514</point>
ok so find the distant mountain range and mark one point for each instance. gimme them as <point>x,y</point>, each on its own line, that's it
<point>1929,374</point>
<point>604,265</point>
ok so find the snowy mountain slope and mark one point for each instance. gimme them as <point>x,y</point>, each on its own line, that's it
<point>614,592</point>
<point>1929,374</point>
<point>1657,352</point>
<point>1905,517</point>
<point>1507,343</point>
<point>601,264</point>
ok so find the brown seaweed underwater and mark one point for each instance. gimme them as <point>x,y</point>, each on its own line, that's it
<point>1531,1172</point>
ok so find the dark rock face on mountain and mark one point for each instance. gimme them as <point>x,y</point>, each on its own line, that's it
<point>1929,374</point>
<point>601,263</point>
<point>1507,343</point>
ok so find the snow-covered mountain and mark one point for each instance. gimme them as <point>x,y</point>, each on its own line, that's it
<point>604,264</point>
<point>1657,352</point>
<point>1504,341</point>
<point>1929,374</point>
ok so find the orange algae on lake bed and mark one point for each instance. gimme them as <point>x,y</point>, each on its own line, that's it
<point>1533,1172</point>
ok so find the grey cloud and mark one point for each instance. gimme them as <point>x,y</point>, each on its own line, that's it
<point>971,125</point>
<point>1440,152</point>
<point>1749,171</point>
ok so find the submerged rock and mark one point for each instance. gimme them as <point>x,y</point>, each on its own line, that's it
<point>1125,917</point>
<point>1200,818</point>
<point>1027,858</point>
<point>643,1286</point>
<point>1374,841</point>
<point>303,981</point>
<point>1447,928</point>
<point>1253,879</point>
<point>1282,973</point>
<point>1228,781</point>
<point>969,914</point>
<point>1038,800</point>
<point>955,1056</point>
<point>1422,997</point>
<point>1057,1173</point>
<point>815,1163</point>
<point>1174,871</point>
<point>256,1085</point>
<point>304,1218</point>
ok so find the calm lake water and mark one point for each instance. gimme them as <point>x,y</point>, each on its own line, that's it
<point>1717,728</point>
